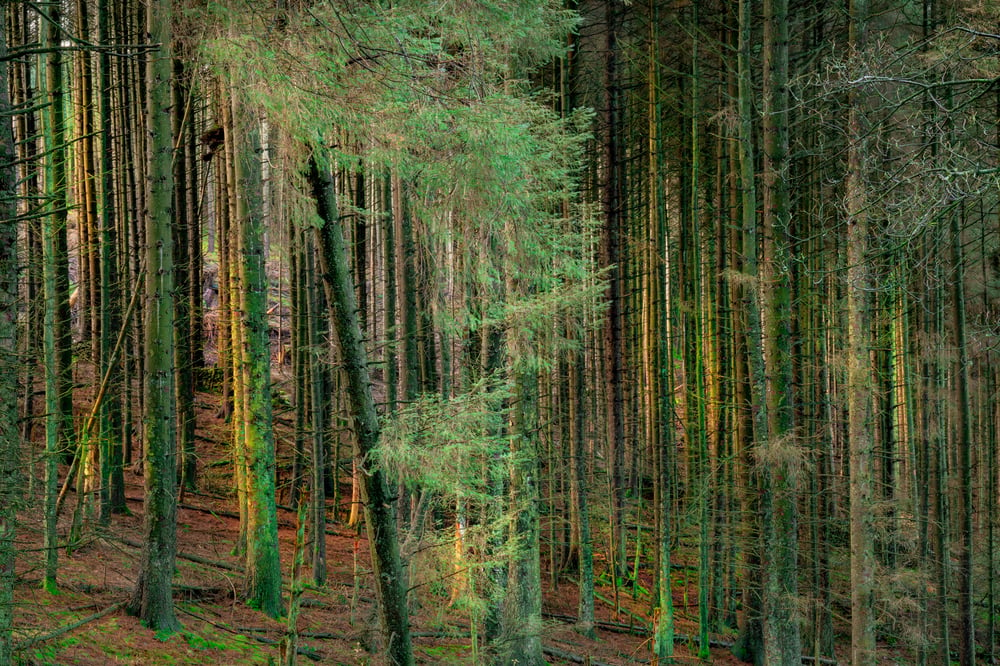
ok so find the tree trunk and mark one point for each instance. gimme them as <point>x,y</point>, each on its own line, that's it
<point>966,608</point>
<point>782,643</point>
<point>380,513</point>
<point>182,303</point>
<point>58,335</point>
<point>152,600</point>
<point>112,473</point>
<point>611,257</point>
<point>520,641</point>
<point>749,646</point>
<point>860,379</point>
<point>10,444</point>
<point>263,563</point>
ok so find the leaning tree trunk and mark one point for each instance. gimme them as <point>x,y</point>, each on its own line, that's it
<point>380,512</point>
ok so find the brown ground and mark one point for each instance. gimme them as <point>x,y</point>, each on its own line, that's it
<point>334,623</point>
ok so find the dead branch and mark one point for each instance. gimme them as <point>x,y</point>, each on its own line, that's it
<point>68,628</point>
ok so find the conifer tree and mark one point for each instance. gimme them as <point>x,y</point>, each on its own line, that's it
<point>152,600</point>
<point>10,442</point>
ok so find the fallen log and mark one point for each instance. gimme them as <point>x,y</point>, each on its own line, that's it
<point>68,628</point>
<point>569,656</point>
<point>618,627</point>
<point>190,557</point>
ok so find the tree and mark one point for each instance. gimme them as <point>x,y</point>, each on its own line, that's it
<point>263,562</point>
<point>611,258</point>
<point>860,379</point>
<point>57,342</point>
<point>152,600</point>
<point>778,454</point>
<point>380,513</point>
<point>10,443</point>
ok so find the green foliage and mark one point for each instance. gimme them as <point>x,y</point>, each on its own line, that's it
<point>200,642</point>
<point>430,92</point>
<point>448,446</point>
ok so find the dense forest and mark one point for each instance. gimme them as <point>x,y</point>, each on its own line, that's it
<point>685,313</point>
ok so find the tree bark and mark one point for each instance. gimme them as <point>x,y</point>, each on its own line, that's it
<point>380,513</point>
<point>860,378</point>
<point>263,561</point>
<point>782,642</point>
<point>10,444</point>
<point>152,600</point>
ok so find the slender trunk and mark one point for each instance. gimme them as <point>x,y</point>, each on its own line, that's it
<point>380,513</point>
<point>112,473</point>
<point>749,647</point>
<point>698,362</point>
<point>263,563</point>
<point>58,352</point>
<point>577,410</point>
<point>319,412</point>
<point>860,379</point>
<point>611,257</point>
<point>10,445</point>
<point>182,303</point>
<point>967,630</point>
<point>782,643</point>
<point>152,600</point>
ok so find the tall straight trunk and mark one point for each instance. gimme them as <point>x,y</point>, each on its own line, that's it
<point>10,444</point>
<point>112,473</point>
<point>195,267</point>
<point>57,343</point>
<point>578,485</point>
<point>24,89</point>
<point>749,646</point>
<point>152,600</point>
<point>940,471</point>
<point>299,354</point>
<point>224,195</point>
<point>782,643</point>
<point>611,257</point>
<point>406,299</point>
<point>522,612</point>
<point>860,379</point>
<point>237,330</point>
<point>389,292</point>
<point>86,193</point>
<point>182,303</point>
<point>659,360</point>
<point>380,512</point>
<point>133,191</point>
<point>966,608</point>
<point>698,361</point>
<point>263,567</point>
<point>319,412</point>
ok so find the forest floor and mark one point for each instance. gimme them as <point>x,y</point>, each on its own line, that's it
<point>86,624</point>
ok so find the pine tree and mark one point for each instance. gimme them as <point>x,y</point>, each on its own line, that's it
<point>152,600</point>
<point>10,442</point>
